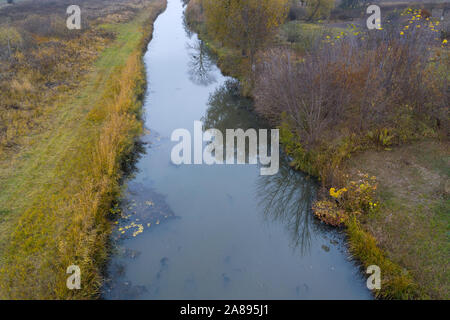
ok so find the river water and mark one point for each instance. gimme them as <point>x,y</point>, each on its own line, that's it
<point>220,231</point>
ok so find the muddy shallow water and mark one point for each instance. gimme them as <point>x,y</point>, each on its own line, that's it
<point>221,231</point>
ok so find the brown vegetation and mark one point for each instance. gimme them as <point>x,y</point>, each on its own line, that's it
<point>336,92</point>
<point>41,58</point>
<point>379,89</point>
<point>57,189</point>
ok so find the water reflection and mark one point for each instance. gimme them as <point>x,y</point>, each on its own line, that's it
<point>200,65</point>
<point>287,197</point>
<point>227,109</point>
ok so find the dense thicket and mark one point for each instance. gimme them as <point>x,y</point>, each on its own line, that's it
<point>381,88</point>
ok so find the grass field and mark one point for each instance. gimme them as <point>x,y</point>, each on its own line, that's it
<point>58,188</point>
<point>412,225</point>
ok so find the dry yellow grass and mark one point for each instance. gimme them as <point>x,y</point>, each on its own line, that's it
<point>56,201</point>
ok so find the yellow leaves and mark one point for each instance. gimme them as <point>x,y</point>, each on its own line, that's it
<point>329,213</point>
<point>337,194</point>
<point>236,22</point>
<point>140,229</point>
<point>373,205</point>
<point>332,192</point>
<point>358,199</point>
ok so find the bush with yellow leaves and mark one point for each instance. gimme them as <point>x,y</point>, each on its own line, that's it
<point>356,198</point>
<point>329,212</point>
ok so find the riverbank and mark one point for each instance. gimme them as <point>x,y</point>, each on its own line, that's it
<point>374,239</point>
<point>59,183</point>
<point>411,226</point>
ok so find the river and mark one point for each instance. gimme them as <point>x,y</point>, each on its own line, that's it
<point>220,231</point>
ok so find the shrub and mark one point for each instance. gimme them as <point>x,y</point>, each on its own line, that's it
<point>291,31</point>
<point>194,13</point>
<point>303,36</point>
<point>296,11</point>
<point>356,198</point>
<point>319,9</point>
<point>377,88</point>
<point>10,40</point>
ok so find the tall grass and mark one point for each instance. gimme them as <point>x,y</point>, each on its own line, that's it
<point>67,221</point>
<point>396,283</point>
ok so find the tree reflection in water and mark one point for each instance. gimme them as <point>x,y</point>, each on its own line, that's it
<point>200,64</point>
<point>285,197</point>
<point>229,110</point>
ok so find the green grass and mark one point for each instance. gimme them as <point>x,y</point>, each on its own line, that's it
<point>301,36</point>
<point>396,283</point>
<point>56,193</point>
<point>412,226</point>
<point>36,165</point>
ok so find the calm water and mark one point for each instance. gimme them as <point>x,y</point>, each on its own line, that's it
<point>216,232</point>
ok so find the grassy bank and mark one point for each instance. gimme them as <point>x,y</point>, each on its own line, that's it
<point>411,226</point>
<point>58,187</point>
<point>327,87</point>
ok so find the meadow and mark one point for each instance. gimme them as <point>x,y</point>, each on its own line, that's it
<point>70,117</point>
